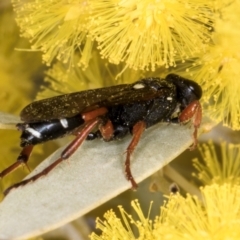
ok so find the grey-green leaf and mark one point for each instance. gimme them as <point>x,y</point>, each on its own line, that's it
<point>92,176</point>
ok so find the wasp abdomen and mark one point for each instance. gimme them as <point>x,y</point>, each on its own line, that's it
<point>39,132</point>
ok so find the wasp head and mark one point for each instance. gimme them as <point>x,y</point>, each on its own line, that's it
<point>187,90</point>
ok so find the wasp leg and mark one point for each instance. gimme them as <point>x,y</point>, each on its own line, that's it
<point>107,130</point>
<point>192,111</point>
<point>21,160</point>
<point>137,131</point>
<point>67,152</point>
<point>87,116</point>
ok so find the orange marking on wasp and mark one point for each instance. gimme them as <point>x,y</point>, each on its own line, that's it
<point>192,111</point>
<point>93,114</point>
<point>107,130</point>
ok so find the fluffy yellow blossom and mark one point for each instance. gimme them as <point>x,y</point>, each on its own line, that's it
<point>218,70</point>
<point>61,80</point>
<point>114,228</point>
<point>147,34</point>
<point>58,28</point>
<point>219,165</point>
<point>216,216</point>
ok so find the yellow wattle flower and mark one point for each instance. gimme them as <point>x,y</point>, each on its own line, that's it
<point>150,33</point>
<point>215,216</point>
<point>217,71</point>
<point>58,28</point>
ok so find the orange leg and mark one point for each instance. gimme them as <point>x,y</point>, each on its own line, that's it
<point>192,111</point>
<point>94,113</point>
<point>107,130</point>
<point>137,132</point>
<point>67,152</point>
<point>21,160</point>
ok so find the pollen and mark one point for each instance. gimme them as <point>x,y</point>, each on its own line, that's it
<point>150,33</point>
<point>122,228</point>
<point>217,71</point>
<point>216,217</point>
<point>218,168</point>
<point>57,28</point>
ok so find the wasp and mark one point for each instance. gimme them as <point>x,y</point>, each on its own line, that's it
<point>108,113</point>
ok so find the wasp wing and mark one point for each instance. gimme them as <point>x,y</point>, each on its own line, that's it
<point>69,105</point>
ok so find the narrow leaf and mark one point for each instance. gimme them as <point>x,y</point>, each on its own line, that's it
<point>92,176</point>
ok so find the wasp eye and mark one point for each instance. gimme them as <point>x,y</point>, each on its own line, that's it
<point>193,88</point>
<point>187,90</point>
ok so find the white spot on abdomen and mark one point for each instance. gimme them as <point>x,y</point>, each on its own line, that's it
<point>34,132</point>
<point>138,86</point>
<point>64,122</point>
